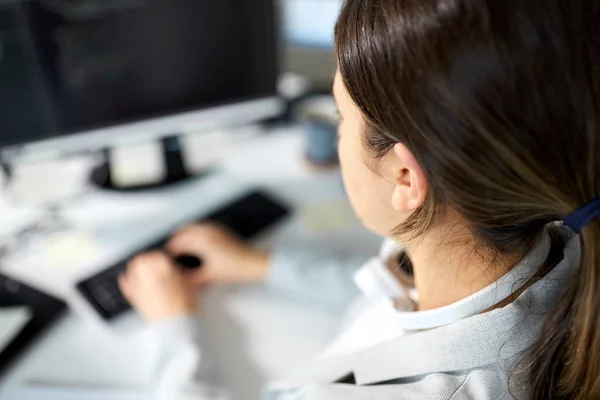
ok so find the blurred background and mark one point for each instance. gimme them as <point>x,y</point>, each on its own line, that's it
<point>308,27</point>
<point>122,120</point>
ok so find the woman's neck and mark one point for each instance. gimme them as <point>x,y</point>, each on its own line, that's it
<point>447,268</point>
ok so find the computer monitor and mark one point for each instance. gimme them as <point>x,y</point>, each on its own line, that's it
<point>77,75</point>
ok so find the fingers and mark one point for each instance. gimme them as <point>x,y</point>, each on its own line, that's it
<point>125,285</point>
<point>149,265</point>
<point>182,240</point>
<point>198,278</point>
<point>192,239</point>
<point>158,262</point>
<point>155,287</point>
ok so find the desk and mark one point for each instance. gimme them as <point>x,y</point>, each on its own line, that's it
<point>258,335</point>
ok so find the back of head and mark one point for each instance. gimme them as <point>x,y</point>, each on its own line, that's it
<point>500,103</point>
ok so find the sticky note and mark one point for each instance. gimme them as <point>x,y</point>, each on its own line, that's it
<point>66,250</point>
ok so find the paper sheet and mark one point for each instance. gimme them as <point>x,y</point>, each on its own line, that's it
<point>50,181</point>
<point>12,320</point>
<point>15,217</point>
<point>70,393</point>
<point>137,164</point>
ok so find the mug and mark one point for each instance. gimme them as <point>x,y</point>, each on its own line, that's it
<point>319,118</point>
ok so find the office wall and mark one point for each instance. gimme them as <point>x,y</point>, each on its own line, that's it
<point>317,65</point>
<point>308,27</point>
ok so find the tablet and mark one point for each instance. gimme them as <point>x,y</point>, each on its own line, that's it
<point>27,314</point>
<point>12,321</point>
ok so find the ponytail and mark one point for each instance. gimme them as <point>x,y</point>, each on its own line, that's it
<point>565,362</point>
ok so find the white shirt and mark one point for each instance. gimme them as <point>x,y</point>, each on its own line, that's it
<point>387,311</point>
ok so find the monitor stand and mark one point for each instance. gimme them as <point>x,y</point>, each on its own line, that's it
<point>175,170</point>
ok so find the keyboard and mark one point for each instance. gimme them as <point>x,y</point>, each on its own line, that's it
<point>247,217</point>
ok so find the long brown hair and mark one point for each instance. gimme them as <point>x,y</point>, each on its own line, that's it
<point>499,100</point>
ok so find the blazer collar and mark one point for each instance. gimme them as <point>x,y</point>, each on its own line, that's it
<point>480,340</point>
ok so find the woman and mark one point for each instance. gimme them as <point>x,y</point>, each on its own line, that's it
<point>470,127</point>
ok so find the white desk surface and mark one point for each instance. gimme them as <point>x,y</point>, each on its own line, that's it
<point>259,335</point>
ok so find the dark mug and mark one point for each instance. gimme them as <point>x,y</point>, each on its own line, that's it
<point>319,119</point>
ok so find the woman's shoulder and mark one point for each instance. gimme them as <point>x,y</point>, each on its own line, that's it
<point>481,383</point>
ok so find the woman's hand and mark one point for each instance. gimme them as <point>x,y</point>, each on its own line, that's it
<point>226,259</point>
<point>156,288</point>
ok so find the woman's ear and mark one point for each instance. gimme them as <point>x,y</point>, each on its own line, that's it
<point>410,183</point>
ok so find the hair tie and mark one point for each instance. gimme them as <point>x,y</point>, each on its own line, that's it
<point>585,214</point>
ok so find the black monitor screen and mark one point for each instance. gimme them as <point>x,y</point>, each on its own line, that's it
<point>73,65</point>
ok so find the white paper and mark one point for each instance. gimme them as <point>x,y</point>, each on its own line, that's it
<point>50,181</point>
<point>137,165</point>
<point>12,320</point>
<point>15,217</point>
<point>70,393</point>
